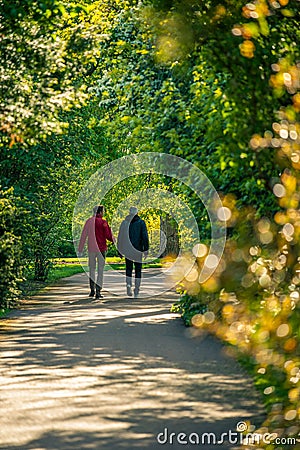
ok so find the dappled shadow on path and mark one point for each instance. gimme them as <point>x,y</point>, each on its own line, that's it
<point>113,376</point>
<point>154,283</point>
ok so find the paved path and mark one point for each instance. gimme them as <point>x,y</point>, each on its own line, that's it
<point>113,375</point>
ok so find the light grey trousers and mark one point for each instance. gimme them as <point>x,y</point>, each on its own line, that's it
<point>96,258</point>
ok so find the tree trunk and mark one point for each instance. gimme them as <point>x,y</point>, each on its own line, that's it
<point>170,229</point>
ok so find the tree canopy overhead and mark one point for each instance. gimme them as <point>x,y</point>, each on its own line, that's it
<point>47,51</point>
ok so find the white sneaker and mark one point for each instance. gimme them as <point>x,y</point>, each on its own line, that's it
<point>129,290</point>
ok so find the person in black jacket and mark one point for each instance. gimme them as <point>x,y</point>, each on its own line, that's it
<point>133,243</point>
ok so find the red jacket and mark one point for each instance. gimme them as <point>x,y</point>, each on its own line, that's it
<point>97,231</point>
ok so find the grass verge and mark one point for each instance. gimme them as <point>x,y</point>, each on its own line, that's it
<point>3,312</point>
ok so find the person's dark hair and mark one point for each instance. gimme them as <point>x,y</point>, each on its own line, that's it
<point>98,209</point>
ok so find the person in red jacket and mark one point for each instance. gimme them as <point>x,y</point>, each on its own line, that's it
<point>97,231</point>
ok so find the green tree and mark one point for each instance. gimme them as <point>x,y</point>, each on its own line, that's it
<point>10,250</point>
<point>46,50</point>
<point>187,101</point>
<point>48,53</point>
<point>47,179</point>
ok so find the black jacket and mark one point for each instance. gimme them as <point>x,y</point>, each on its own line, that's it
<point>133,238</point>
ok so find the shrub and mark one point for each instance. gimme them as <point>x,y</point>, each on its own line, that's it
<point>10,261</point>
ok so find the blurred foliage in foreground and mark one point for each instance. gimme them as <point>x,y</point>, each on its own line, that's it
<point>252,301</point>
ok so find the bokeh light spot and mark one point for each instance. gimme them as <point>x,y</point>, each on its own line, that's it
<point>279,190</point>
<point>200,250</point>
<point>291,414</point>
<point>283,330</point>
<point>224,214</point>
<point>197,320</point>
<point>211,261</point>
<point>269,390</point>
